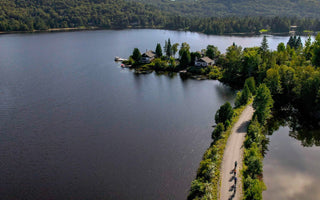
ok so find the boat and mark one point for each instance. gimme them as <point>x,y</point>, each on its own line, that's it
<point>118,59</point>
<point>125,66</point>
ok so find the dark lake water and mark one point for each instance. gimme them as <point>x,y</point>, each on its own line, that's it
<point>75,125</point>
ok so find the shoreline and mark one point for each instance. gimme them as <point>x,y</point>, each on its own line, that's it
<point>90,28</point>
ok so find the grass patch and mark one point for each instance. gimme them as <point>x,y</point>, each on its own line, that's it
<point>264,31</point>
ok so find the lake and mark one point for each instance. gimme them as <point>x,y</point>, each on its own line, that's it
<point>75,125</point>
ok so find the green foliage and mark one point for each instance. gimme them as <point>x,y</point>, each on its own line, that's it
<point>253,189</point>
<point>316,51</point>
<point>212,51</point>
<point>167,48</point>
<point>263,103</point>
<point>185,47</point>
<point>158,50</point>
<point>185,59</point>
<point>273,81</point>
<point>243,96</point>
<point>250,82</point>
<point>199,189</point>
<point>224,113</point>
<point>250,62</point>
<point>233,61</point>
<point>294,42</point>
<point>214,73</point>
<point>281,47</point>
<point>254,135</point>
<point>200,16</point>
<point>307,51</point>
<point>159,65</point>
<point>208,8</point>
<point>136,55</point>
<point>217,131</point>
<point>252,160</point>
<point>252,168</point>
<point>264,44</point>
<point>194,56</point>
<point>174,49</point>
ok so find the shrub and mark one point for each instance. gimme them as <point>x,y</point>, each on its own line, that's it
<point>224,113</point>
<point>217,131</point>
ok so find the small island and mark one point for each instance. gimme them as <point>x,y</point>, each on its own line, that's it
<point>199,65</point>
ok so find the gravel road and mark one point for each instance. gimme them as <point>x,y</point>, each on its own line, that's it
<point>234,152</point>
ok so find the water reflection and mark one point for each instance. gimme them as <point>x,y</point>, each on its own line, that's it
<point>291,169</point>
<point>301,128</point>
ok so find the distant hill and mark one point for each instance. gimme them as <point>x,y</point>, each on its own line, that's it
<point>222,8</point>
<point>211,17</point>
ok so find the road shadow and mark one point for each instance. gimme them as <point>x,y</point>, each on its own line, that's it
<point>231,188</point>
<point>243,127</point>
<point>231,179</point>
<point>231,197</point>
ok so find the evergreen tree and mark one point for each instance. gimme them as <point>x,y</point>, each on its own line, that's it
<point>264,44</point>
<point>158,50</point>
<point>168,49</point>
<point>291,42</point>
<point>316,51</point>
<point>185,59</point>
<point>307,49</point>
<point>136,55</point>
<point>298,43</point>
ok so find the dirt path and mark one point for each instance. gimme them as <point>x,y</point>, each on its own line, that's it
<point>234,152</point>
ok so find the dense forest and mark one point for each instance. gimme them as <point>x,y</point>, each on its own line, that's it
<point>222,8</point>
<point>30,15</point>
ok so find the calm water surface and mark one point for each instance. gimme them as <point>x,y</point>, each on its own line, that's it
<point>291,171</point>
<point>74,125</point>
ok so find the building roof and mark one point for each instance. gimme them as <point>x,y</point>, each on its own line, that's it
<point>206,59</point>
<point>149,54</point>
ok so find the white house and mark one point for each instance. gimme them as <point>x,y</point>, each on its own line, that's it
<point>203,62</point>
<point>147,57</point>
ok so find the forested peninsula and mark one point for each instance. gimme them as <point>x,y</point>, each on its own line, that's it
<point>30,15</point>
<point>287,79</point>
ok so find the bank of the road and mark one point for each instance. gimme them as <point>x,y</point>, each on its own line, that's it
<point>234,152</point>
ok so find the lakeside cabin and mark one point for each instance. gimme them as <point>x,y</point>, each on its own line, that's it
<point>147,57</point>
<point>204,62</point>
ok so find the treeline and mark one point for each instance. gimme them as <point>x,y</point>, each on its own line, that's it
<point>28,15</point>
